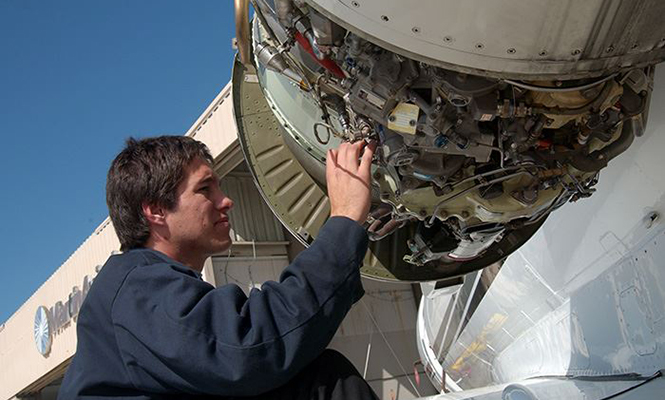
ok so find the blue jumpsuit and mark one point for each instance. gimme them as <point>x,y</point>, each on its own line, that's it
<point>150,328</point>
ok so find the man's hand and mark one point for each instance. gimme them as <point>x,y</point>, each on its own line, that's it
<point>349,180</point>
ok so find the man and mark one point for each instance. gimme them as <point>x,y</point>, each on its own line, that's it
<point>150,328</point>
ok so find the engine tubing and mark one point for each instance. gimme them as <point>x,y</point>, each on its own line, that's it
<point>599,158</point>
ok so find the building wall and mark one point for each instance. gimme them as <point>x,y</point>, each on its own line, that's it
<point>379,338</point>
<point>22,365</point>
<point>250,217</point>
<point>216,126</point>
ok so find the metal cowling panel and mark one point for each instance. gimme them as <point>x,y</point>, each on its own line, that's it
<point>511,38</point>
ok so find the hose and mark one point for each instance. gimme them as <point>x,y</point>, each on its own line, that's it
<point>599,158</point>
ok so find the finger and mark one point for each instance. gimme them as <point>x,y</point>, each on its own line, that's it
<point>368,154</point>
<point>357,148</point>
<point>340,154</point>
<point>331,163</point>
<point>349,160</point>
<point>332,156</point>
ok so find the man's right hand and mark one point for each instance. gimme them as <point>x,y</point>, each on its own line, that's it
<point>348,177</point>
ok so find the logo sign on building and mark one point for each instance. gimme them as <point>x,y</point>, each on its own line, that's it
<point>42,331</point>
<point>51,321</point>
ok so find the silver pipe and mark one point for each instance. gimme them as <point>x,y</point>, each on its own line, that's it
<point>536,88</point>
<point>496,171</point>
<point>465,191</point>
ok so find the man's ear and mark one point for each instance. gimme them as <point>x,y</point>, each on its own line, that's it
<point>154,214</point>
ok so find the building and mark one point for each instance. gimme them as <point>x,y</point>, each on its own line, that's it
<point>38,341</point>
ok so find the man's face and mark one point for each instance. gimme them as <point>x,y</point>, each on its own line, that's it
<point>198,224</point>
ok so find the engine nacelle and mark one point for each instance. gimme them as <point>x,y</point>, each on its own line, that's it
<point>489,115</point>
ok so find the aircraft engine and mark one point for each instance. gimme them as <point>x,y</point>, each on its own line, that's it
<point>488,115</point>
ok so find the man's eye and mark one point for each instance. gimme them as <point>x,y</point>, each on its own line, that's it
<point>204,188</point>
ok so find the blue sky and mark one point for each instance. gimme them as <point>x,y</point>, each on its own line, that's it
<point>76,78</point>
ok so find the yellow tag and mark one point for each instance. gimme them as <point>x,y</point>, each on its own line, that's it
<point>404,118</point>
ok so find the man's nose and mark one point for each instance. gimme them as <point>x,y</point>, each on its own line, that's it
<point>225,203</point>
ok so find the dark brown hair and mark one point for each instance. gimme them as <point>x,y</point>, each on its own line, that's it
<point>147,171</point>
